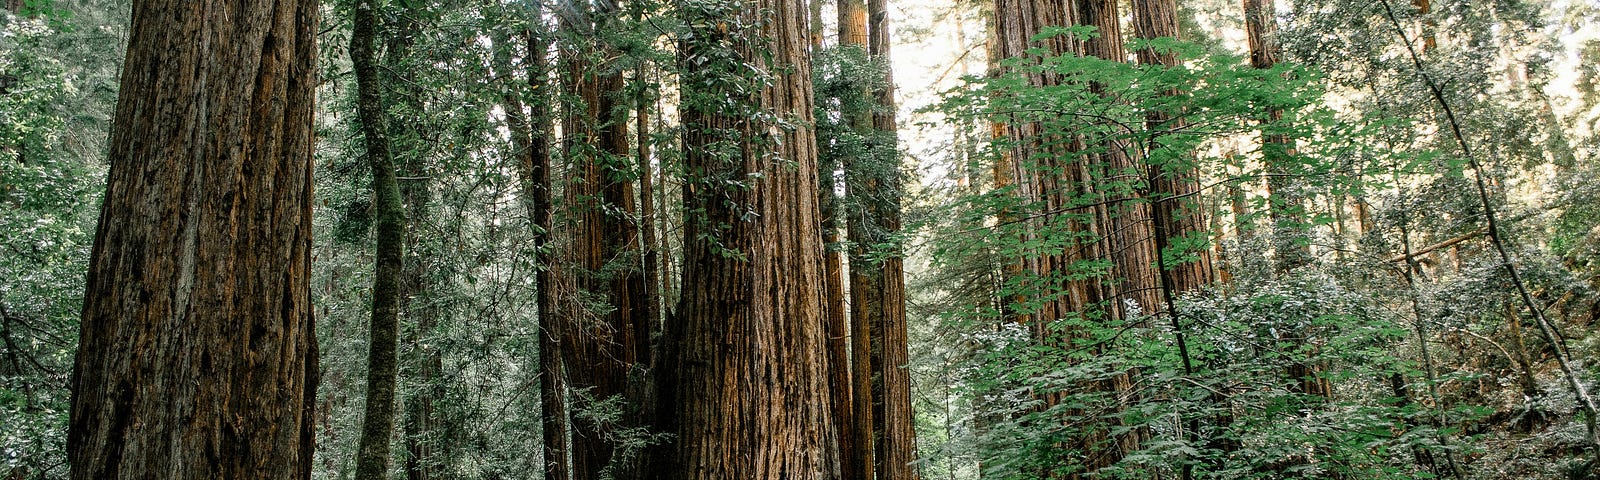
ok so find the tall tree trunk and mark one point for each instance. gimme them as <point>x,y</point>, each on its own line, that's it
<point>197,355</point>
<point>372,455</point>
<point>858,442</point>
<point>744,394</point>
<point>1285,204</point>
<point>1178,212</point>
<point>883,298</point>
<point>1126,217</point>
<point>609,321</point>
<point>530,138</point>
<point>1050,177</point>
<point>854,437</point>
<point>1174,187</point>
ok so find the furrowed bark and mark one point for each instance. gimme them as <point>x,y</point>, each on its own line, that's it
<point>197,355</point>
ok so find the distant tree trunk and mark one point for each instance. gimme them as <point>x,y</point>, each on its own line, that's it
<point>427,453</point>
<point>372,456</point>
<point>857,443</point>
<point>647,204</point>
<point>883,297</point>
<point>745,395</point>
<point>530,138</point>
<point>197,355</point>
<point>1285,204</point>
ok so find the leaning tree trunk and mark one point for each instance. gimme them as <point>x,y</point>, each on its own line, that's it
<point>197,357</point>
<point>744,394</point>
<point>372,454</point>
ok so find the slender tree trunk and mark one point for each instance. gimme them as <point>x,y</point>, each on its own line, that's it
<point>746,396</point>
<point>373,453</point>
<point>530,137</point>
<point>197,355</point>
<point>858,442</point>
<point>857,459</point>
<point>884,298</point>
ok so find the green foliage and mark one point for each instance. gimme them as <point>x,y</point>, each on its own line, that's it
<point>53,105</point>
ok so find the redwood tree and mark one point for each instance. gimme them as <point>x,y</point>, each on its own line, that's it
<point>197,357</point>
<point>743,392</point>
<point>607,318</point>
<point>879,287</point>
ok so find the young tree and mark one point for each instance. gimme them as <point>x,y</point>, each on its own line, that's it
<point>372,456</point>
<point>743,390</point>
<point>197,356</point>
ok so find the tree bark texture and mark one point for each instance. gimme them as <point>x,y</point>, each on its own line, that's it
<point>607,320</point>
<point>883,300</point>
<point>1176,208</point>
<point>856,462</point>
<point>745,394</point>
<point>1126,216</point>
<point>1051,177</point>
<point>198,358</point>
<point>377,426</point>
<point>858,441</point>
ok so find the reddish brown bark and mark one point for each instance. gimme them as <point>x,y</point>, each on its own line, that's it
<point>858,440</point>
<point>607,318</point>
<point>1175,188</point>
<point>197,358</point>
<point>882,298</point>
<point>744,387</point>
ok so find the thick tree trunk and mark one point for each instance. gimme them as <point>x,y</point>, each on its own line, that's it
<point>609,321</point>
<point>745,393</point>
<point>1127,212</point>
<point>1051,176</point>
<point>197,357</point>
<point>1174,188</point>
